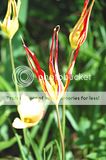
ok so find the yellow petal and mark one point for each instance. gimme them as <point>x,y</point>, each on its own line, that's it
<point>19,124</point>
<point>10,24</point>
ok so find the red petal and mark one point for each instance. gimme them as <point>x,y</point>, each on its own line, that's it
<point>38,71</point>
<point>85,7</point>
<point>31,56</point>
<point>51,66</point>
<point>60,85</point>
<point>86,13</point>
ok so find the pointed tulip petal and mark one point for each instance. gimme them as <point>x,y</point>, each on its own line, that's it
<point>40,74</point>
<point>59,83</point>
<point>55,80</point>
<point>79,32</point>
<point>51,65</point>
<point>84,7</point>
<point>36,66</point>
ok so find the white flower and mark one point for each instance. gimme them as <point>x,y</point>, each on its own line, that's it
<point>30,111</point>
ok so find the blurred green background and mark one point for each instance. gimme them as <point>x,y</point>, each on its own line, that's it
<point>85,125</point>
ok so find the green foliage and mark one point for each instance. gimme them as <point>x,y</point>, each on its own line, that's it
<point>7,144</point>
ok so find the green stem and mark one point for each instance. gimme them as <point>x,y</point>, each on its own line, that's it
<point>61,134</point>
<point>63,117</point>
<point>13,68</point>
<point>20,147</point>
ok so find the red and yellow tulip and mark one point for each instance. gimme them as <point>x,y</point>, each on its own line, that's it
<point>78,35</point>
<point>79,32</point>
<point>53,87</point>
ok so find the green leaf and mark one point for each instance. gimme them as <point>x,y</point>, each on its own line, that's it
<point>5,85</point>
<point>50,153</point>
<point>20,147</point>
<point>4,132</point>
<point>4,116</point>
<point>69,156</point>
<point>35,148</point>
<point>7,144</point>
<point>84,124</point>
<point>34,131</point>
<point>49,146</point>
<point>92,156</point>
<point>102,121</point>
<point>102,134</point>
<point>103,33</point>
<point>46,132</point>
<point>72,120</point>
<point>23,11</point>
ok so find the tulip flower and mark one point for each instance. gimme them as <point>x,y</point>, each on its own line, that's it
<point>30,111</point>
<point>79,32</point>
<point>53,87</point>
<point>10,24</point>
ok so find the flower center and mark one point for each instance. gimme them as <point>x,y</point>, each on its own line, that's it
<point>31,119</point>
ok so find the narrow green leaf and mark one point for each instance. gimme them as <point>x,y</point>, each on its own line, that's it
<point>7,144</point>
<point>26,139</point>
<point>44,154</point>
<point>72,120</point>
<point>49,146</point>
<point>35,148</point>
<point>20,146</point>
<point>4,116</point>
<point>50,153</point>
<point>103,33</point>
<point>46,132</point>
<point>34,131</point>
<point>58,149</point>
<point>23,11</point>
<point>5,85</point>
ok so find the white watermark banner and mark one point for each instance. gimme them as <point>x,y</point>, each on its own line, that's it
<point>25,76</point>
<point>70,98</point>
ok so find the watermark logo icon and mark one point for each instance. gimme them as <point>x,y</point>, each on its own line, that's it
<point>24,76</point>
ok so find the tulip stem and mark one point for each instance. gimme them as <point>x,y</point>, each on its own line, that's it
<point>13,69</point>
<point>63,117</point>
<point>61,133</point>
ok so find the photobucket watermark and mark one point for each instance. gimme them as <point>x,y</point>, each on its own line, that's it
<point>77,77</point>
<point>70,98</point>
<point>25,76</point>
